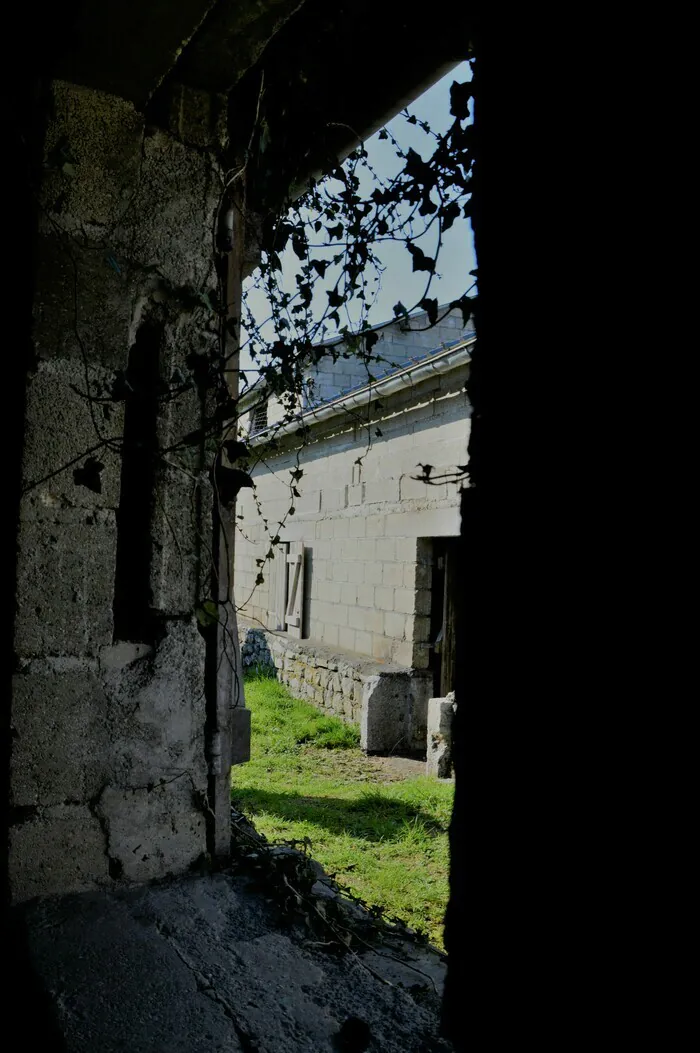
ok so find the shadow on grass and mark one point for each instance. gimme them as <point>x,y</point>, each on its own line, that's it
<point>371,817</point>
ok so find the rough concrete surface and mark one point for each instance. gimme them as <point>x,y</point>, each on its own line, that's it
<point>203,963</point>
<point>440,718</point>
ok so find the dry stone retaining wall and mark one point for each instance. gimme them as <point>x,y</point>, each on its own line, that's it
<point>389,703</point>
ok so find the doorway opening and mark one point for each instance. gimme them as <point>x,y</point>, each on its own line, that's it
<point>442,648</point>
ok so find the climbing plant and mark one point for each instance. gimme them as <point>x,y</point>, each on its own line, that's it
<point>319,271</point>
<point>319,275</point>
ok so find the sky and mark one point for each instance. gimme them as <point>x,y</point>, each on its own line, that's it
<point>398,282</point>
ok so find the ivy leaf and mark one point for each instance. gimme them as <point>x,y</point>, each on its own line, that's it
<point>421,262</point>
<point>335,232</point>
<point>209,300</point>
<point>428,206</point>
<point>371,339</point>
<point>334,298</point>
<point>430,306</point>
<point>299,245</point>
<point>460,94</point>
<point>226,410</point>
<point>207,614</point>
<point>466,305</point>
<point>320,266</point>
<point>90,475</point>
<point>449,214</point>
<point>260,580</point>
<point>193,438</point>
<point>383,134</point>
<point>399,309</point>
<point>227,483</point>
<point>236,450</point>
<point>296,473</point>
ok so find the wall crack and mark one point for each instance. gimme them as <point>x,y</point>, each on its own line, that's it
<point>249,1043</point>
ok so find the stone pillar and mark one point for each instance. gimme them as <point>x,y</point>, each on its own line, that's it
<point>109,764</point>
<point>439,755</point>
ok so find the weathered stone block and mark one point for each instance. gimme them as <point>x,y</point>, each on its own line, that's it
<point>382,490</point>
<point>382,647</point>
<point>394,624</point>
<point>99,333</point>
<point>176,200</point>
<point>386,549</point>
<point>334,499</point>
<point>405,601</point>
<point>376,526</point>
<point>357,527</point>
<point>365,595</point>
<point>153,831</point>
<point>65,583</point>
<point>61,424</point>
<point>402,653</point>
<point>367,549</point>
<point>356,573</point>
<point>406,549</point>
<point>195,116</point>
<point>59,850</point>
<point>421,656</point>
<point>393,574</point>
<point>158,712</point>
<point>103,135</point>
<point>373,573</point>
<point>440,719</point>
<point>176,547</point>
<point>363,642</point>
<point>60,748</point>
<point>394,712</point>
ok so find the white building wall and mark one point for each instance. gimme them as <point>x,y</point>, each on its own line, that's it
<point>367,580</point>
<point>397,346</point>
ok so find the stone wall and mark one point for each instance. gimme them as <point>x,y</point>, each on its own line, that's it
<point>389,703</point>
<point>109,770</point>
<point>368,572</point>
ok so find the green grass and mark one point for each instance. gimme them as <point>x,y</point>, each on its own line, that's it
<point>383,836</point>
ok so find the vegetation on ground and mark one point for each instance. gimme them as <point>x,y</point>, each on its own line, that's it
<point>379,833</point>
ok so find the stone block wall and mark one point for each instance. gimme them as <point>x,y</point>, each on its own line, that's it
<point>109,769</point>
<point>389,703</point>
<point>368,576</point>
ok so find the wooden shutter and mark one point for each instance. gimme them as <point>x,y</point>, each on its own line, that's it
<point>295,589</point>
<point>276,614</point>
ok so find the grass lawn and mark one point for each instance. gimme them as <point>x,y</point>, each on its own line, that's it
<point>382,835</point>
